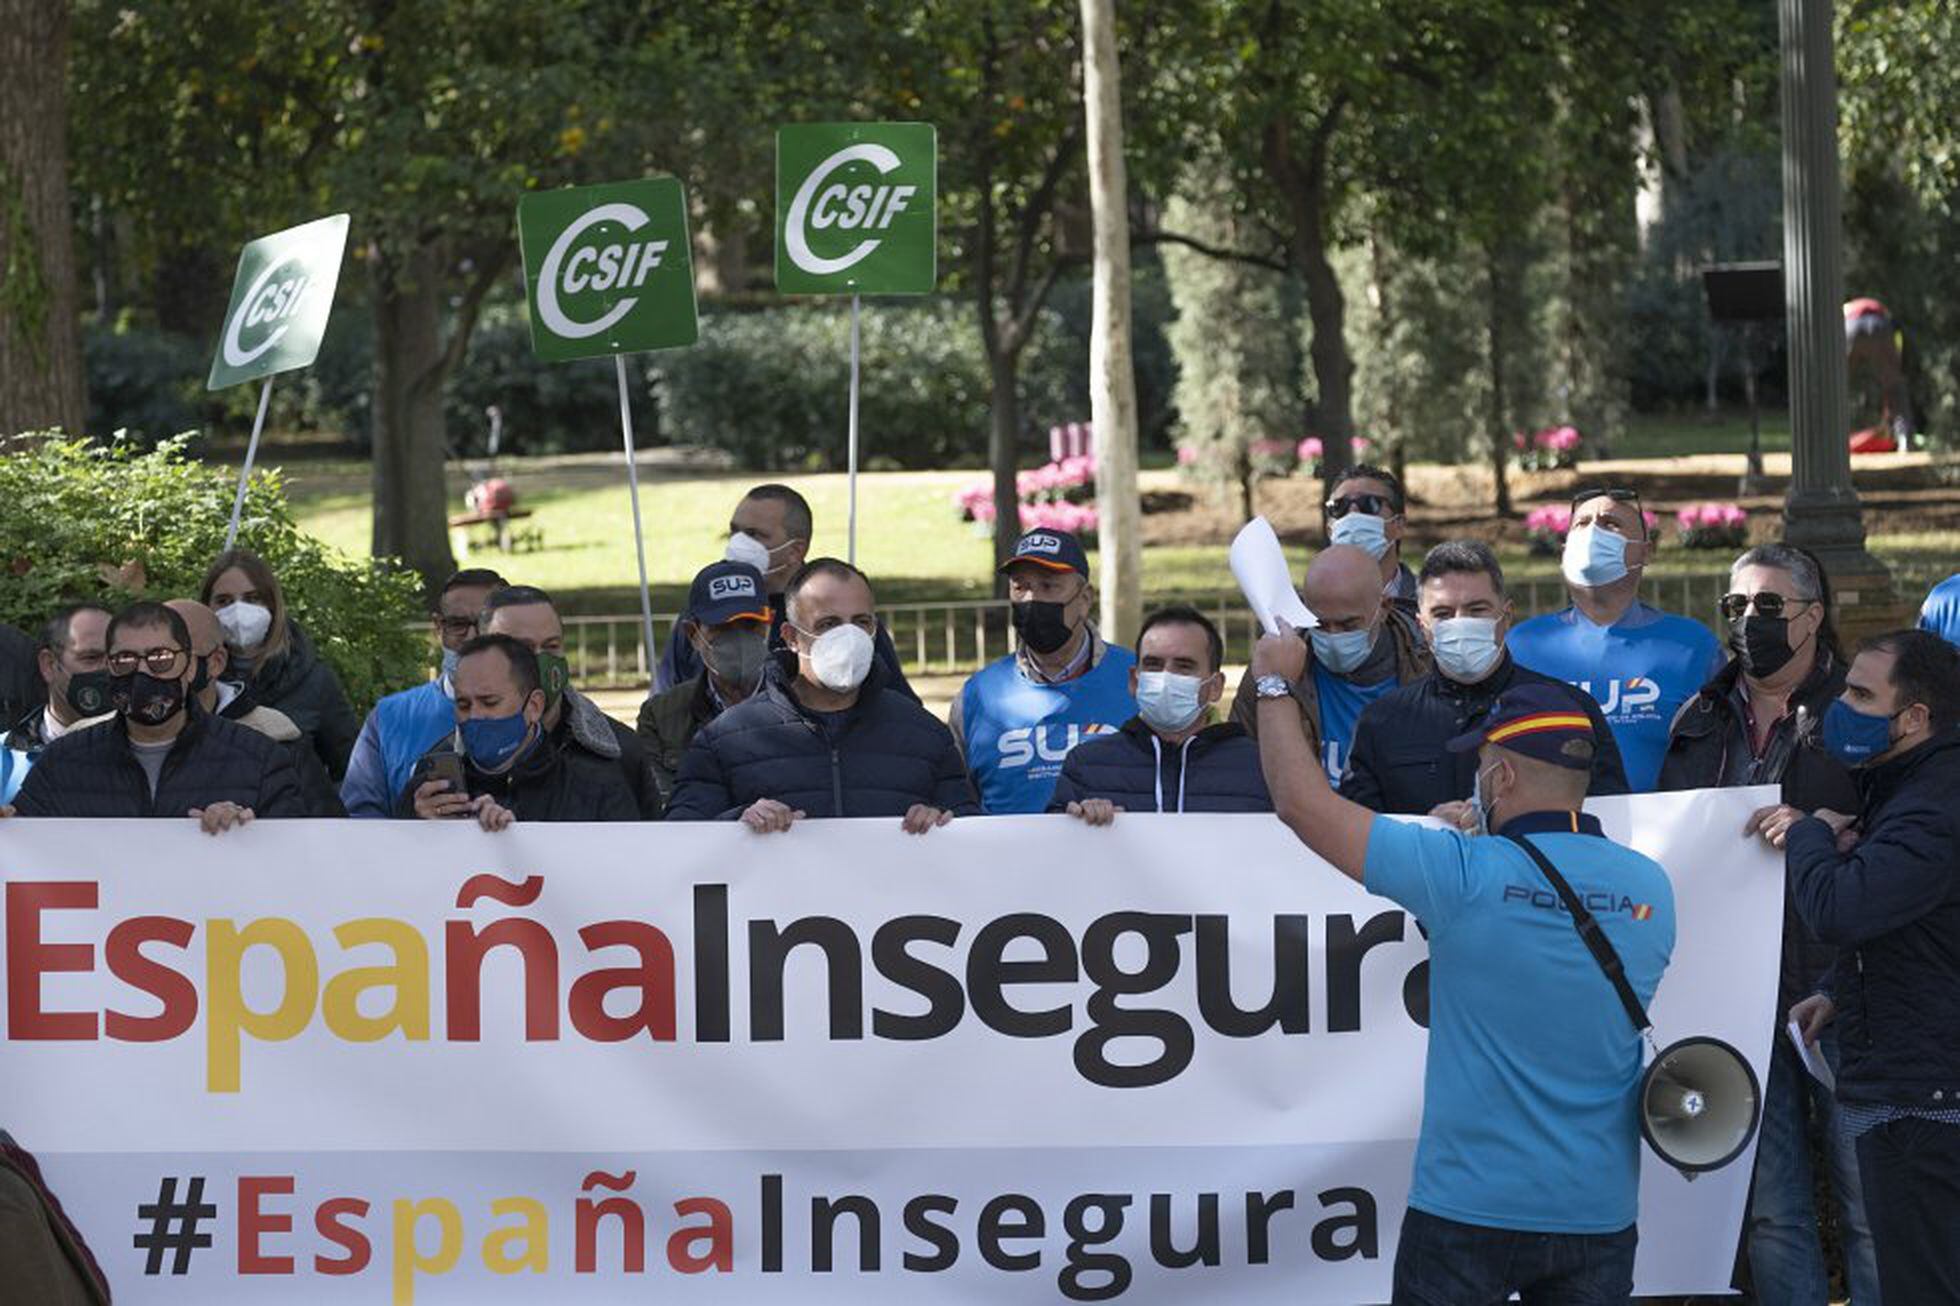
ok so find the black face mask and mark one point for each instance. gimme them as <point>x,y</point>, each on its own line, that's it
<point>141,697</point>
<point>1041,626</point>
<point>1762,643</point>
<point>88,692</point>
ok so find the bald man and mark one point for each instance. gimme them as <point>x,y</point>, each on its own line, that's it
<point>214,694</point>
<point>1364,647</point>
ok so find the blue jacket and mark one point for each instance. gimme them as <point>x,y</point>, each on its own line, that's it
<point>1015,730</point>
<point>1215,770</point>
<point>876,758</point>
<point>396,733</point>
<point>1893,905</point>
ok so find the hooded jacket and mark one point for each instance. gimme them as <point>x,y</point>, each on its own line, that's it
<point>298,683</point>
<point>1892,904</point>
<point>877,757</point>
<point>93,772</point>
<point>1215,770</point>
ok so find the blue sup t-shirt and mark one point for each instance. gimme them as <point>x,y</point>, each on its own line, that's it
<point>1640,670</point>
<point>1341,702</point>
<point>1530,1111</point>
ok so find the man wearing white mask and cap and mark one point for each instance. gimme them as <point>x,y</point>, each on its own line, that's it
<point>769,530</point>
<point>1367,511</point>
<point>1168,757</point>
<point>831,738</point>
<point>1400,762</point>
<point>1364,647</point>
<point>1639,663</point>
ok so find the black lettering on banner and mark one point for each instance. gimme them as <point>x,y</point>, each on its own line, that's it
<point>711,963</point>
<point>769,949</point>
<point>772,1224</point>
<point>945,999</point>
<point>1166,1252</point>
<point>1259,1211</point>
<point>1287,1007</point>
<point>1346,948</point>
<point>944,1242</point>
<point>1363,1222</point>
<point>987,974</point>
<point>1078,1266</point>
<point>1163,957</point>
<point>823,1230</point>
<point>996,1230</point>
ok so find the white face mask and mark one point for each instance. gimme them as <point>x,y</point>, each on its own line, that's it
<point>840,658</point>
<point>1466,647</point>
<point>245,624</point>
<point>1483,811</point>
<point>1594,557</point>
<point>1169,702</point>
<point>747,548</point>
<point>1361,530</point>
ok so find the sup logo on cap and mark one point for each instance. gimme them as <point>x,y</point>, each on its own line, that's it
<point>730,587</point>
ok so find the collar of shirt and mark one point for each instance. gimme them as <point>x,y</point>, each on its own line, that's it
<point>1085,657</point>
<point>52,729</point>
<point>1553,823</point>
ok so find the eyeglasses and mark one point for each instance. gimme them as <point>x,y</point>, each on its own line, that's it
<point>457,625</point>
<point>1617,494</point>
<point>159,661</point>
<point>1768,604</point>
<point>1375,505</point>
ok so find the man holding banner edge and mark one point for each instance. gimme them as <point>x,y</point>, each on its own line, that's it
<point>1522,1034</point>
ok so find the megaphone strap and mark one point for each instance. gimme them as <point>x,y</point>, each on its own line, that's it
<point>1591,935</point>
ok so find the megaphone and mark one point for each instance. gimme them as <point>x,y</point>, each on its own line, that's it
<point>1699,1105</point>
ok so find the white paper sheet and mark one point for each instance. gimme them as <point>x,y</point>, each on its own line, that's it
<point>1259,566</point>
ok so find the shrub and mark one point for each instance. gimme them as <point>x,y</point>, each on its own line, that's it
<point>1713,525</point>
<point>150,383</point>
<point>112,522</point>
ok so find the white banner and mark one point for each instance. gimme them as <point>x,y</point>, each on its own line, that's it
<point>1015,1059</point>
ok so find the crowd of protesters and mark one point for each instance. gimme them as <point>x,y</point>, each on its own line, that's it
<point>781,698</point>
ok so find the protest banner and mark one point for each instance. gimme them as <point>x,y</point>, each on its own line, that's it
<point>609,269</point>
<point>1014,1060</point>
<point>856,214</point>
<point>281,297</point>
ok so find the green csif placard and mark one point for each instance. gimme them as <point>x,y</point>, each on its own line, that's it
<point>855,208</point>
<point>608,269</point>
<point>280,300</point>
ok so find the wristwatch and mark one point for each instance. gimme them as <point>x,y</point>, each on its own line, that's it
<point>1271,687</point>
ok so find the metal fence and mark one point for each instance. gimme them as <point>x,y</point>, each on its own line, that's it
<point>962,635</point>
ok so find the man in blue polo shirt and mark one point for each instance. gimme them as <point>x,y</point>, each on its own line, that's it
<point>1641,663</point>
<point>1527,1171</point>
<point>1940,613</point>
<point>1016,719</point>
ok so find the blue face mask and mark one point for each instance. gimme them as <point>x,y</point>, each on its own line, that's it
<point>494,744</point>
<point>1855,738</point>
<point>449,659</point>
<point>1167,701</point>
<point>1594,557</point>
<point>1477,801</point>
<point>1361,530</point>
<point>1342,652</point>
<point>1466,647</point>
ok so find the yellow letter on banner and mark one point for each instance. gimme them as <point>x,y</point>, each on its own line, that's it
<point>409,1260</point>
<point>225,1014</point>
<point>535,1231</point>
<point>408,977</point>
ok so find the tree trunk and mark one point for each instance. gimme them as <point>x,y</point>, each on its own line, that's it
<point>1500,438</point>
<point>41,378</point>
<point>1112,382</point>
<point>1003,453</point>
<point>410,495</point>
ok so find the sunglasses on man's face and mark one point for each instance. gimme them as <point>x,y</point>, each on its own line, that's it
<point>1768,604</point>
<point>1374,505</point>
<point>159,661</point>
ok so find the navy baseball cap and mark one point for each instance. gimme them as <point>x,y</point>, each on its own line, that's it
<point>727,591</point>
<point>1543,722</point>
<point>1055,550</point>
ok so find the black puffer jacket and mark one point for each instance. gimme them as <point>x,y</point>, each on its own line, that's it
<point>1893,905</point>
<point>1216,770</point>
<point>321,797</point>
<point>299,684</point>
<point>877,758</point>
<point>1702,747</point>
<point>558,780</point>
<point>92,772</point>
<point>1399,762</point>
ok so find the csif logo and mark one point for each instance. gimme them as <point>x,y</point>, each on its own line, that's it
<point>607,269</point>
<point>280,299</point>
<point>854,208</point>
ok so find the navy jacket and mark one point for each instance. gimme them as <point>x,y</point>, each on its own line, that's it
<point>300,684</point>
<point>560,779</point>
<point>1893,905</point>
<point>877,758</point>
<point>1216,770</point>
<point>92,772</point>
<point>1399,762</point>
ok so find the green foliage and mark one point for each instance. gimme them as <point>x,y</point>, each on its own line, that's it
<point>1235,338</point>
<point>114,522</point>
<point>771,386</point>
<point>143,381</point>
